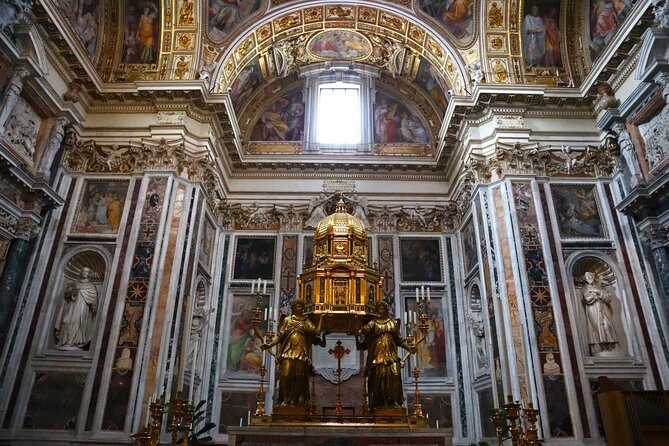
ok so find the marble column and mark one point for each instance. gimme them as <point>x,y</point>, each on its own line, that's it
<point>13,273</point>
<point>656,237</point>
<point>11,94</point>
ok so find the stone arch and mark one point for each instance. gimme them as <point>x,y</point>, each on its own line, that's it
<point>400,26</point>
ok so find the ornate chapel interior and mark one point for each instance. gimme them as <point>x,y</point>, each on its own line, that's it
<point>186,183</point>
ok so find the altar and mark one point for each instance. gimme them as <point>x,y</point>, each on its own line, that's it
<point>337,434</point>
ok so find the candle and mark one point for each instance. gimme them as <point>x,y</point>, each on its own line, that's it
<point>417,297</point>
<point>427,415</point>
<point>437,424</point>
<point>406,318</point>
<point>259,283</point>
<point>263,357</point>
<point>422,292</point>
<point>241,420</point>
<point>253,286</point>
<point>428,295</point>
<point>265,318</point>
<point>264,288</point>
<point>248,418</point>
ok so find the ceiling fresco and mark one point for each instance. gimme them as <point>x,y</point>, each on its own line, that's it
<point>247,54</point>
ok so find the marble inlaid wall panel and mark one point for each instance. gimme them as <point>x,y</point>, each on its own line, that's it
<point>288,280</point>
<point>543,314</point>
<point>54,401</point>
<point>386,267</point>
<point>135,305</point>
<point>486,405</point>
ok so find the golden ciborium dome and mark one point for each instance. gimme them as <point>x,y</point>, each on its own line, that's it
<point>340,282</point>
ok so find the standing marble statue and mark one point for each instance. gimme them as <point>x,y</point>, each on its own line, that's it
<point>13,88</point>
<point>478,332</point>
<point>197,325</point>
<point>75,328</point>
<point>628,153</point>
<point>53,145</point>
<point>601,332</point>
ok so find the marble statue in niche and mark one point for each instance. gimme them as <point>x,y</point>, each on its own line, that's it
<point>198,323</point>
<point>74,328</point>
<point>478,335</point>
<point>21,127</point>
<point>628,154</point>
<point>602,336</point>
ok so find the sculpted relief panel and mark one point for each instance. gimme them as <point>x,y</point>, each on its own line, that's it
<point>22,126</point>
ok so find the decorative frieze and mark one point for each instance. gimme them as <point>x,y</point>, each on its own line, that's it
<point>532,159</point>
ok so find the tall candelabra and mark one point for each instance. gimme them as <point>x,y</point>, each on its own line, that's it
<point>182,418</point>
<point>417,327</point>
<point>517,423</point>
<point>269,336</point>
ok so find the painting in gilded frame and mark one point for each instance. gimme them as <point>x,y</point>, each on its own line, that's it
<point>100,208</point>
<point>420,260</point>
<point>141,32</point>
<point>225,15</point>
<point>254,258</point>
<point>395,123</point>
<point>469,246</point>
<point>246,81</point>
<point>457,16</point>
<point>433,83</point>
<point>577,212</point>
<point>282,120</point>
<point>605,18</point>
<point>430,357</point>
<point>244,355</point>
<point>339,45</point>
<point>541,34</point>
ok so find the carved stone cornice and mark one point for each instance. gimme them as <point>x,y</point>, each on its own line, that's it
<point>531,159</point>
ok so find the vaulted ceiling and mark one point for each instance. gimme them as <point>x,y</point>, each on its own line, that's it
<point>441,60</point>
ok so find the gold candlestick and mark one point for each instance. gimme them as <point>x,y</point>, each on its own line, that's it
<point>417,406</point>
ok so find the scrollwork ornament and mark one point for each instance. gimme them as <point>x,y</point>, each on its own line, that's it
<point>655,236</point>
<point>26,229</point>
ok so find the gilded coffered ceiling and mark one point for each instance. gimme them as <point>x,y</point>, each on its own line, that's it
<point>441,59</point>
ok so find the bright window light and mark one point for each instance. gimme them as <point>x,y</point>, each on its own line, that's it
<point>338,114</point>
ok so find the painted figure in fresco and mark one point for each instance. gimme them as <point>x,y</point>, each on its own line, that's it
<point>603,24</point>
<point>186,13</point>
<point>495,16</point>
<point>295,118</point>
<point>244,83</point>
<point>599,313</point>
<point>553,54</point>
<point>534,38</point>
<point>74,329</point>
<point>384,378</point>
<point>412,130</point>
<point>147,33</point>
<point>386,122</point>
<point>242,331</point>
<point>114,210</point>
<point>295,338</point>
<point>225,14</point>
